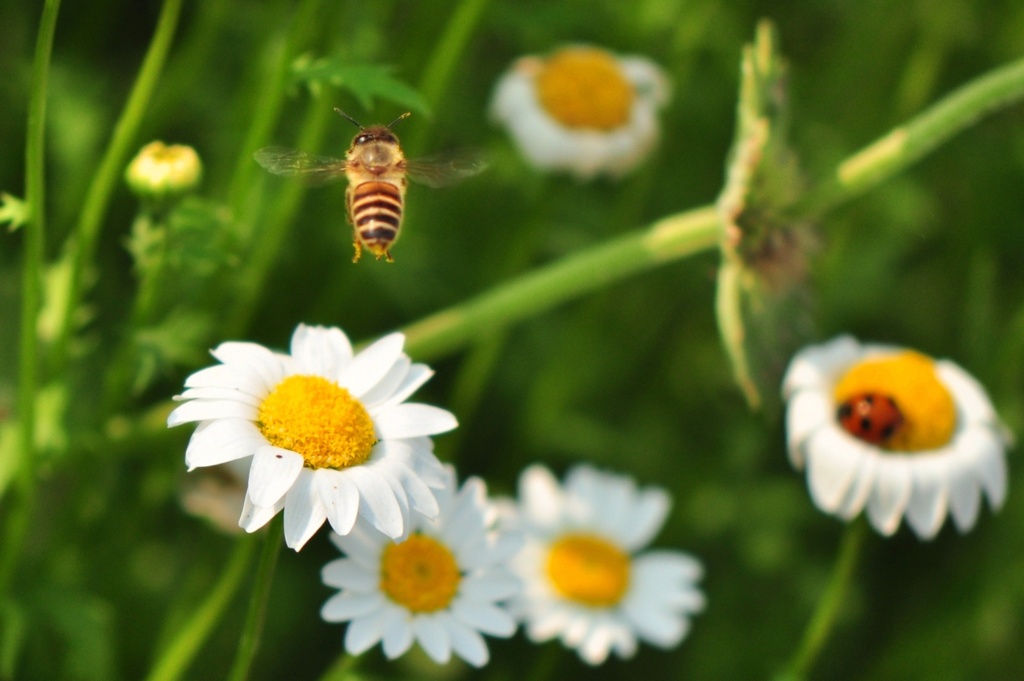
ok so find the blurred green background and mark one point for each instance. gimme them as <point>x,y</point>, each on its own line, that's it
<point>632,378</point>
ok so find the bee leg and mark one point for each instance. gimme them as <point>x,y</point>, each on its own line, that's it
<point>358,248</point>
<point>387,256</point>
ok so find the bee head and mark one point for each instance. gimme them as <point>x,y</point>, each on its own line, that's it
<point>375,133</point>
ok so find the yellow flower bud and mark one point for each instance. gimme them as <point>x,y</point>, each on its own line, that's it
<point>160,171</point>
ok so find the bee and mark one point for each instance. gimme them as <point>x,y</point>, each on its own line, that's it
<point>377,172</point>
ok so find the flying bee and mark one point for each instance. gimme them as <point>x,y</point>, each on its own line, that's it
<point>377,172</point>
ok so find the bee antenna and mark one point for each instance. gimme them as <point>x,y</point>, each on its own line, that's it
<point>405,115</point>
<point>349,118</point>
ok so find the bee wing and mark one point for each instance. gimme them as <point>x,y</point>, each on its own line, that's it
<point>447,168</point>
<point>312,169</point>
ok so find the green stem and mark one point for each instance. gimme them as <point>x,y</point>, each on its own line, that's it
<point>667,240</point>
<point>81,248</point>
<point>175,659</point>
<point>444,60</point>
<point>909,142</point>
<point>253,627</point>
<point>271,98</point>
<point>276,226</point>
<point>824,619</point>
<point>439,70</point>
<point>31,292</point>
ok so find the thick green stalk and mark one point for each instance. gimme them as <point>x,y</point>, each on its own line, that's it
<point>175,659</point>
<point>81,248</point>
<point>909,142</point>
<point>441,67</point>
<point>829,606</point>
<point>443,62</point>
<point>667,240</point>
<point>271,98</point>
<point>276,226</point>
<point>31,292</point>
<point>253,627</point>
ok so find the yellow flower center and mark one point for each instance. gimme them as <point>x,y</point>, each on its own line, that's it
<point>318,419</point>
<point>588,569</point>
<point>420,574</point>
<point>909,378</point>
<point>583,87</point>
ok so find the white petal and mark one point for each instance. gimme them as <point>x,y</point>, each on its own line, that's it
<point>971,400</point>
<point>346,606</point>
<point>929,499</point>
<point>231,377</point>
<point>345,573</point>
<point>208,410</point>
<point>253,357</point>
<point>832,462</point>
<point>490,586</point>
<point>857,495</point>
<point>595,643</point>
<point>816,366</point>
<point>546,623</point>
<point>397,633</point>
<point>486,617</point>
<point>304,513</point>
<point>890,495</point>
<point>465,521</point>
<point>273,472</point>
<point>808,411</point>
<point>363,544</point>
<point>667,567</point>
<point>412,420</point>
<point>413,455</point>
<point>466,642</point>
<point>320,351</point>
<point>220,441</point>
<point>387,385</point>
<point>340,498</point>
<point>377,503</point>
<point>371,365</point>
<point>421,497</point>
<point>540,496</point>
<point>433,638</point>
<point>991,461</point>
<point>647,515</point>
<point>386,469</point>
<point>254,517</point>
<point>417,375</point>
<point>964,492</point>
<point>364,632</point>
<point>229,394</point>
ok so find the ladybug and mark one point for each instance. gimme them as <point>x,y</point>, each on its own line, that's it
<point>872,417</point>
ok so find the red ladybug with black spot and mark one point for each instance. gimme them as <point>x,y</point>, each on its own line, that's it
<point>870,416</point>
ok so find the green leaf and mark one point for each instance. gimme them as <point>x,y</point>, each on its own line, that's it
<point>366,82</point>
<point>13,211</point>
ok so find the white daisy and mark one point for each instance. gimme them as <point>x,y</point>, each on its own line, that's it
<point>582,109</point>
<point>441,586</point>
<point>895,432</point>
<point>330,434</point>
<point>584,580</point>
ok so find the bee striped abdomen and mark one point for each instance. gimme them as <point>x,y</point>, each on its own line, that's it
<point>376,213</point>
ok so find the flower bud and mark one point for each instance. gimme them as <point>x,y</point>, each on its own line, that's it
<point>159,172</point>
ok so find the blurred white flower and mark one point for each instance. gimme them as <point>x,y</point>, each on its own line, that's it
<point>584,579</point>
<point>330,434</point>
<point>582,109</point>
<point>894,432</point>
<point>441,586</point>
